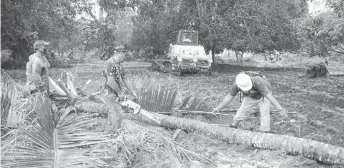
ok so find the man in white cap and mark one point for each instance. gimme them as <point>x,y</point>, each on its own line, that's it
<point>256,91</point>
<point>37,72</point>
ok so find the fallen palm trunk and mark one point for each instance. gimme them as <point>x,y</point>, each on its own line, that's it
<point>291,145</point>
<point>70,84</point>
<point>309,148</point>
<point>69,94</point>
<point>56,87</point>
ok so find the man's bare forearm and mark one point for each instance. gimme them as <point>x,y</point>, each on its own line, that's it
<point>129,86</point>
<point>113,84</point>
<point>225,101</point>
<point>274,101</point>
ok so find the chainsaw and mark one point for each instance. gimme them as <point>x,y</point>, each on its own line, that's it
<point>131,107</point>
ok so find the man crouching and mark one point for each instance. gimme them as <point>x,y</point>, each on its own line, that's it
<point>256,91</point>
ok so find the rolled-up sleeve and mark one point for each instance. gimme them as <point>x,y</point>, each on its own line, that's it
<point>262,86</point>
<point>233,91</point>
<point>110,69</point>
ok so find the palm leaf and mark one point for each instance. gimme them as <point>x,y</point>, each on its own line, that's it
<point>14,108</point>
<point>54,140</point>
<point>5,108</point>
<point>198,103</point>
<point>158,98</point>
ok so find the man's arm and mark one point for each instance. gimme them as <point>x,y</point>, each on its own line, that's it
<point>272,99</point>
<point>36,69</point>
<point>129,86</point>
<point>113,84</point>
<point>224,102</point>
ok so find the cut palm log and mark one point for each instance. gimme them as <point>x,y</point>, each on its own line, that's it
<point>63,87</point>
<point>56,87</point>
<point>292,145</point>
<point>70,84</point>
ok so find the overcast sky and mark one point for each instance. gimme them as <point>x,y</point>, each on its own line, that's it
<point>317,6</point>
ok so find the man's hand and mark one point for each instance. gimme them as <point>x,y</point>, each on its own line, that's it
<point>215,110</point>
<point>283,113</point>
<point>122,97</point>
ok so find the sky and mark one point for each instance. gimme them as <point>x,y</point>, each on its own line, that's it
<point>317,6</point>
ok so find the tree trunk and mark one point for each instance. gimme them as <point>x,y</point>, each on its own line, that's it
<point>309,148</point>
<point>213,53</point>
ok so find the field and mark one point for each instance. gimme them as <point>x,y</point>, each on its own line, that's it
<point>316,106</point>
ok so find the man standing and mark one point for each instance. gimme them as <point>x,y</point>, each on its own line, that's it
<point>113,76</point>
<point>114,80</point>
<point>37,72</point>
<point>256,91</point>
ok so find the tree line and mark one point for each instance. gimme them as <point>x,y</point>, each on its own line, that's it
<point>243,26</point>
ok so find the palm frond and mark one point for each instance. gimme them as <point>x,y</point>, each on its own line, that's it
<point>158,98</point>
<point>185,101</point>
<point>198,103</point>
<point>14,107</point>
<point>5,107</point>
<point>8,83</point>
<point>54,140</point>
<point>153,141</point>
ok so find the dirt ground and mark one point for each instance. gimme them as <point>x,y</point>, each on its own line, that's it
<point>318,105</point>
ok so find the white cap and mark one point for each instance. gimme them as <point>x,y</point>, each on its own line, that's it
<point>244,82</point>
<point>40,43</point>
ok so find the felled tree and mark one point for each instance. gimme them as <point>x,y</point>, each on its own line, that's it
<point>292,145</point>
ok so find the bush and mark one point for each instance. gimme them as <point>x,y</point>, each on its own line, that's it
<point>5,55</point>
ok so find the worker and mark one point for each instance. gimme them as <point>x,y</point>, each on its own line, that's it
<point>256,90</point>
<point>113,76</point>
<point>37,69</point>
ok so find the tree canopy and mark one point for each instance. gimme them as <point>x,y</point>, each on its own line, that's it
<point>247,26</point>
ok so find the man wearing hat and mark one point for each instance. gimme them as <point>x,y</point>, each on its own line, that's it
<point>256,91</point>
<point>37,72</point>
<point>113,77</point>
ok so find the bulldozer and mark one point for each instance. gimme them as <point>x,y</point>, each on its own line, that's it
<point>185,56</point>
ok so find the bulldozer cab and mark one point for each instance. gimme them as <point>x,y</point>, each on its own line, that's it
<point>187,37</point>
